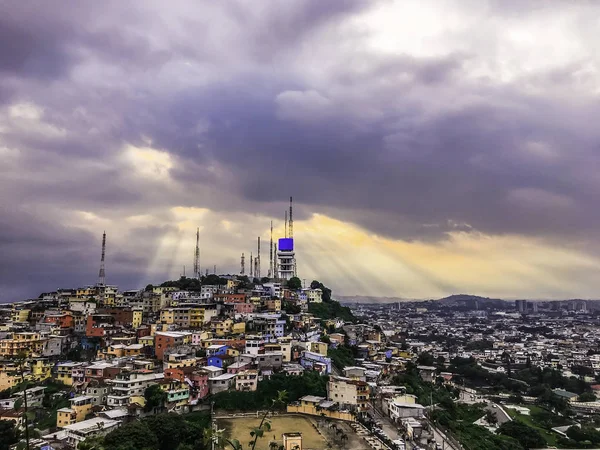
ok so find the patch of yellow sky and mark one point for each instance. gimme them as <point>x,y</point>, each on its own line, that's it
<point>368,264</point>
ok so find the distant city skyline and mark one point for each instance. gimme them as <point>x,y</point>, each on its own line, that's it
<point>432,148</point>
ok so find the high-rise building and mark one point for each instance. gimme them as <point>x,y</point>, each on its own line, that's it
<point>286,259</point>
<point>521,306</point>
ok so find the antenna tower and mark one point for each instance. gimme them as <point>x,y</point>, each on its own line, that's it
<point>257,271</point>
<point>102,273</point>
<point>285,226</point>
<point>271,253</point>
<point>291,222</point>
<point>197,255</point>
<point>251,265</point>
<point>243,264</point>
<point>215,269</point>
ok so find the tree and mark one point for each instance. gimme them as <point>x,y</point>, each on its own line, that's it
<point>218,438</point>
<point>425,359</point>
<point>131,436</point>
<point>264,280</point>
<point>587,397</point>
<point>149,288</point>
<point>527,436</point>
<point>264,424</point>
<point>169,429</point>
<point>9,435</point>
<point>155,397</point>
<point>490,418</point>
<point>92,443</point>
<point>294,283</point>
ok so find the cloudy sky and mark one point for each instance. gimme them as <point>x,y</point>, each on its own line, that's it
<point>432,147</point>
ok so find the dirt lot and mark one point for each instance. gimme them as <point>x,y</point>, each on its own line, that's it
<point>239,428</point>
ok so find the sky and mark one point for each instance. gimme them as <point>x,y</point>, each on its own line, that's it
<point>431,147</point>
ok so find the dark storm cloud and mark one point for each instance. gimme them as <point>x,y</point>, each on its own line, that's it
<point>254,105</point>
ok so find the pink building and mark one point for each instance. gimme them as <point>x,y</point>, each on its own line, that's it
<point>244,308</point>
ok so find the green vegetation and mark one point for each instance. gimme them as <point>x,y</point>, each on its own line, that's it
<point>341,356</point>
<point>541,420</point>
<point>154,396</point>
<point>581,437</point>
<point>193,284</point>
<point>527,436</point>
<point>326,291</point>
<point>309,383</point>
<point>160,432</point>
<point>331,310</point>
<point>294,283</point>
<point>9,435</point>
<point>459,418</point>
<point>425,392</point>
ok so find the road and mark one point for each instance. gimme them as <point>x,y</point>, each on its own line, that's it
<point>440,438</point>
<point>389,427</point>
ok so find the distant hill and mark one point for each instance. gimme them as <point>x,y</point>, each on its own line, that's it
<point>452,300</point>
<point>470,301</point>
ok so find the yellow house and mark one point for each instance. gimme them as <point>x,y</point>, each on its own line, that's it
<point>9,377</point>
<point>20,315</point>
<point>310,404</point>
<point>80,407</point>
<point>146,341</point>
<point>233,352</point>
<point>238,328</point>
<point>86,292</point>
<point>318,347</point>
<point>27,342</point>
<point>136,321</point>
<point>176,360</point>
<point>222,327</point>
<point>196,319</point>
<point>65,416</point>
<point>41,369</point>
<point>64,372</point>
<point>273,305</point>
<point>167,316</point>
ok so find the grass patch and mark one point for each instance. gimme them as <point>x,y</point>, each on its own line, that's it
<point>549,435</point>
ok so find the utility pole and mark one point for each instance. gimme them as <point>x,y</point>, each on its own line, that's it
<point>21,362</point>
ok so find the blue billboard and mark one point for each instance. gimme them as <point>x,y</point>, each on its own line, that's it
<point>286,244</point>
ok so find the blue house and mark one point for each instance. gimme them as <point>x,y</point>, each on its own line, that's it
<point>220,361</point>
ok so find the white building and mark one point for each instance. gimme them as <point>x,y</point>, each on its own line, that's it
<point>127,385</point>
<point>97,426</point>
<point>313,295</point>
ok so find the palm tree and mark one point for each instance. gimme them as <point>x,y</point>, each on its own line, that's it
<point>343,439</point>
<point>265,425</point>
<point>218,437</point>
